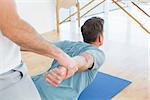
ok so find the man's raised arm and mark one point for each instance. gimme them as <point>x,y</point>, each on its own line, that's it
<point>57,75</point>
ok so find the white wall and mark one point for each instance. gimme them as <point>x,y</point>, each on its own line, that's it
<point>39,13</point>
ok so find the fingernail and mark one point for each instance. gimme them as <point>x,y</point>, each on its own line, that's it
<point>62,70</point>
<point>59,82</point>
<point>48,75</point>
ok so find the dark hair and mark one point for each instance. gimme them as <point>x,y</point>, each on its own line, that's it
<point>91,28</point>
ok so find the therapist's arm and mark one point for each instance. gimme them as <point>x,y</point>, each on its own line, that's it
<point>24,49</point>
<point>24,35</point>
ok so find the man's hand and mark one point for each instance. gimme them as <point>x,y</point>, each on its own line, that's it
<point>76,64</point>
<point>57,75</point>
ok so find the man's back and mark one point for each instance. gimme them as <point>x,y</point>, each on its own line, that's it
<point>72,87</point>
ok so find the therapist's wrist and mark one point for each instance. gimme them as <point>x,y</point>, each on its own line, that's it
<point>62,58</point>
<point>71,70</point>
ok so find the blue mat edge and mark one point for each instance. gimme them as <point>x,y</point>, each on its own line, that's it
<point>128,82</point>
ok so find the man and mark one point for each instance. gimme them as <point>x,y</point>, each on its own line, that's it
<point>70,83</point>
<point>15,83</point>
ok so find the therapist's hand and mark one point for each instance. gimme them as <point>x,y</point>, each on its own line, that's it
<point>66,61</point>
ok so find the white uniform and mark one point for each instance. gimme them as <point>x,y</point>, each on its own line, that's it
<point>14,80</point>
<point>10,56</point>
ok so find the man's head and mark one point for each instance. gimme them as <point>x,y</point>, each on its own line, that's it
<point>92,31</point>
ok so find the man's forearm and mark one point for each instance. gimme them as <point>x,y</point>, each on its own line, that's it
<point>84,61</point>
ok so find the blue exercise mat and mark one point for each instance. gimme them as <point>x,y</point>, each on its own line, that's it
<point>104,87</point>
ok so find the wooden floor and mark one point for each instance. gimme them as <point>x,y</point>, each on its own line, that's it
<point>131,63</point>
<point>122,60</point>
